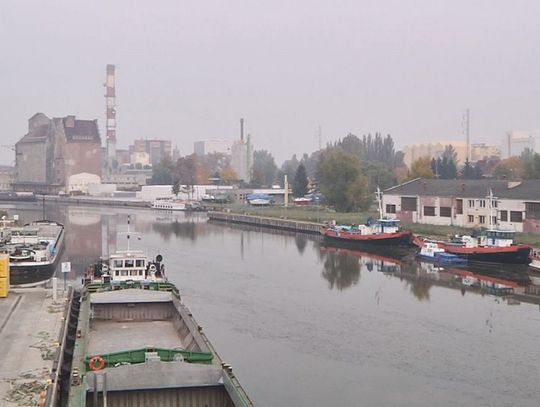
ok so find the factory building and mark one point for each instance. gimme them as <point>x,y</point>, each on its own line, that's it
<point>55,149</point>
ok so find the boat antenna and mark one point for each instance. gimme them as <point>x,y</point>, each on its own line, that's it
<point>378,195</point>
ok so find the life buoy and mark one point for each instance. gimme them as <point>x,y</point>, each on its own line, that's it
<point>96,363</point>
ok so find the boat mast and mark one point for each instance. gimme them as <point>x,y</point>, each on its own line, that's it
<point>491,199</point>
<point>128,231</point>
<point>378,195</point>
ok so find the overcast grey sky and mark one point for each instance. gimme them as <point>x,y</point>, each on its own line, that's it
<point>188,70</point>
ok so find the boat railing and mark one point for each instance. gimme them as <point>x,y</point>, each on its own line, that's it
<point>135,356</point>
<point>98,286</point>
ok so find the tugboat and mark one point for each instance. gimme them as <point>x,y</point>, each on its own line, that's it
<point>495,246</point>
<point>136,343</point>
<point>385,232</point>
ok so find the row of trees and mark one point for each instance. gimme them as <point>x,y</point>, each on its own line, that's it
<point>347,172</point>
<point>526,166</point>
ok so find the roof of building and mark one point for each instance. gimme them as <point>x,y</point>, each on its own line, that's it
<point>37,135</point>
<point>81,130</point>
<point>526,190</point>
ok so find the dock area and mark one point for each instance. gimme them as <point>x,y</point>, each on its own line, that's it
<point>267,222</point>
<point>32,326</point>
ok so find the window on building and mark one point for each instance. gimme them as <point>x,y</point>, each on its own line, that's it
<point>408,204</point>
<point>532,210</point>
<point>129,263</point>
<point>429,211</point>
<point>118,263</point>
<point>470,218</point>
<point>471,203</point>
<point>493,220</point>
<point>516,216</point>
<point>482,203</point>
<point>445,211</point>
<point>390,208</point>
<point>481,219</point>
<point>495,204</point>
<point>459,206</point>
<point>504,216</point>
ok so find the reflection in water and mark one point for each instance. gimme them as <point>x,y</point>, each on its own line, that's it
<point>340,271</point>
<point>419,288</point>
<point>419,276</point>
<point>301,242</point>
<point>184,230</point>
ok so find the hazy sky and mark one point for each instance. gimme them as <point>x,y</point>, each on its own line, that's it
<point>188,70</point>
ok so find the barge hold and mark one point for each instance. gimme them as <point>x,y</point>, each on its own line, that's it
<point>138,344</point>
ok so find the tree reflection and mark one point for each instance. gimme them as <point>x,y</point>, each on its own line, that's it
<point>419,288</point>
<point>186,230</point>
<point>340,270</point>
<point>301,243</point>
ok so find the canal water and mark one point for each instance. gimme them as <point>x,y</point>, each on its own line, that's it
<point>307,324</point>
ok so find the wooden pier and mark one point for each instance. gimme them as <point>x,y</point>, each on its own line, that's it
<point>267,222</point>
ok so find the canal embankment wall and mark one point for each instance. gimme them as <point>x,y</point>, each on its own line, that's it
<point>261,221</point>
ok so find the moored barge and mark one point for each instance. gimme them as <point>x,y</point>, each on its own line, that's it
<point>137,344</point>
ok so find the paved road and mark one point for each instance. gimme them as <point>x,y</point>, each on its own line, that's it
<point>29,325</point>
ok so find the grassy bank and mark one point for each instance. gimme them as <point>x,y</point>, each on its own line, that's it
<point>321,215</point>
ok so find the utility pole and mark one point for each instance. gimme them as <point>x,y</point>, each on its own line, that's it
<point>286,185</point>
<point>466,129</point>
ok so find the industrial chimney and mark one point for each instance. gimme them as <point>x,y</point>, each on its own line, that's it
<point>241,129</point>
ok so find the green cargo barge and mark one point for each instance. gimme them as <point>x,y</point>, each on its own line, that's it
<point>137,344</point>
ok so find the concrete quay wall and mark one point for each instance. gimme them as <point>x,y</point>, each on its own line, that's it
<point>273,223</point>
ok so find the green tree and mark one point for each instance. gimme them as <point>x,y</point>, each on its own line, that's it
<point>264,169</point>
<point>176,186</point>
<point>468,171</point>
<point>421,168</point>
<point>502,171</point>
<point>340,174</point>
<point>162,173</point>
<point>531,164</point>
<point>186,171</point>
<point>379,175</point>
<point>300,182</point>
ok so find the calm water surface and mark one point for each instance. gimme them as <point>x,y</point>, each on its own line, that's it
<point>308,325</point>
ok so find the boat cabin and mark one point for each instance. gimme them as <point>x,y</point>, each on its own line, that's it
<point>387,226</point>
<point>26,235</point>
<point>500,238</point>
<point>133,266</point>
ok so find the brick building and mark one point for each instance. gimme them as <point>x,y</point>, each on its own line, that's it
<point>55,149</point>
<point>464,203</point>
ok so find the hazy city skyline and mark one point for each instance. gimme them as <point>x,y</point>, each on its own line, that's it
<point>189,71</point>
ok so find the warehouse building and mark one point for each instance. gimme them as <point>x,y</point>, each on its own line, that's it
<point>465,203</point>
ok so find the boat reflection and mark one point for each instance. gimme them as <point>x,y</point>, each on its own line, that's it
<point>343,265</point>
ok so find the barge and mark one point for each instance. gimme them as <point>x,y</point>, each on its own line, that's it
<point>34,250</point>
<point>137,344</point>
